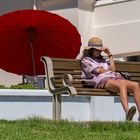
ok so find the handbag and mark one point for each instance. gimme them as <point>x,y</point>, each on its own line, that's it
<point>126,75</point>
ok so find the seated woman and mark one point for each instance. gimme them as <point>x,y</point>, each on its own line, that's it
<point>100,73</point>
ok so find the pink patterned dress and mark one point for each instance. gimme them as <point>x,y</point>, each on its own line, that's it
<point>91,77</point>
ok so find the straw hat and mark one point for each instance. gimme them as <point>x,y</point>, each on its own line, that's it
<point>95,43</point>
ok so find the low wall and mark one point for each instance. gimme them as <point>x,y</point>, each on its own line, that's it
<point>19,104</point>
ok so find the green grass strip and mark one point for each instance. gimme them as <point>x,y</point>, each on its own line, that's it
<point>41,129</point>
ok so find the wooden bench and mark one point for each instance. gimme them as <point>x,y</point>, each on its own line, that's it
<point>63,76</point>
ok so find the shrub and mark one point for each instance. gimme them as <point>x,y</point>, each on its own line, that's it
<point>19,86</point>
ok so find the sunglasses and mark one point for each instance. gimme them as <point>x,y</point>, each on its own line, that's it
<point>98,50</point>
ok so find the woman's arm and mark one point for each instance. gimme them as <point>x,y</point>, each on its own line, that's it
<point>112,64</point>
<point>111,61</point>
<point>101,70</point>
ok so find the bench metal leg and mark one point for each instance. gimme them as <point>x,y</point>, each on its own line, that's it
<point>57,107</point>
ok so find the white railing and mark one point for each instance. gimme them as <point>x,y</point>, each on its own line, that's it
<point>109,2</point>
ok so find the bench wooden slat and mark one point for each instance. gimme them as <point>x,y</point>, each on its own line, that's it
<point>99,93</point>
<point>66,65</point>
<point>135,74</point>
<point>76,85</point>
<point>128,66</point>
<point>58,72</point>
<point>135,78</point>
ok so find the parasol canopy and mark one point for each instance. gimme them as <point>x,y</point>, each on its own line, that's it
<point>26,35</point>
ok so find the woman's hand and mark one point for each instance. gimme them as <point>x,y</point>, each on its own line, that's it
<point>101,70</point>
<point>107,51</point>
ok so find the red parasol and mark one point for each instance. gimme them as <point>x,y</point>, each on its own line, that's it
<point>26,35</point>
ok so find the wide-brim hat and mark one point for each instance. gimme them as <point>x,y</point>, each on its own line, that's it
<point>95,43</point>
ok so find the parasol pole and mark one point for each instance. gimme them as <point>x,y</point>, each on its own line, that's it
<point>32,54</point>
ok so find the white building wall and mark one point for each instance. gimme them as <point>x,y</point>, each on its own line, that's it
<point>71,14</point>
<point>117,24</point>
<point>12,5</point>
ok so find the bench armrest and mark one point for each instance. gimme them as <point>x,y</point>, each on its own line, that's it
<point>66,87</point>
<point>66,79</point>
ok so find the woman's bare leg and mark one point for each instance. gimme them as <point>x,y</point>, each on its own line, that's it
<point>134,86</point>
<point>119,86</point>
